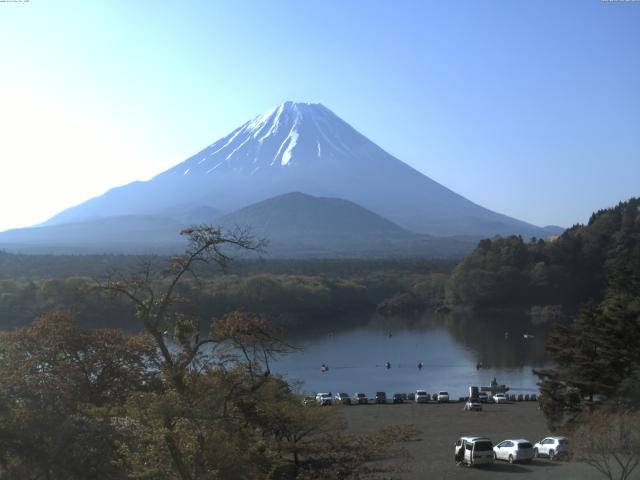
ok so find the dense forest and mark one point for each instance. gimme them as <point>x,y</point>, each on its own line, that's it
<point>564,272</point>
<point>597,356</point>
<point>293,294</point>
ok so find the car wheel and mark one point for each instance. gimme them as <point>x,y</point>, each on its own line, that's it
<point>552,455</point>
<point>535,453</point>
<point>510,458</point>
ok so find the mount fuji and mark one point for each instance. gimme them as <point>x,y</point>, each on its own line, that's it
<point>296,147</point>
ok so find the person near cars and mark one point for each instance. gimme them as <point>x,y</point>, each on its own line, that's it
<point>459,456</point>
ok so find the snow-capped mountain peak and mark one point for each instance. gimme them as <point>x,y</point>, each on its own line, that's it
<point>284,136</point>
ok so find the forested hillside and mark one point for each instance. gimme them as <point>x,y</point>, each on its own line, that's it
<point>293,294</point>
<point>568,271</point>
<point>596,357</point>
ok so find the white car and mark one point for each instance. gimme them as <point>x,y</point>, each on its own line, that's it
<point>422,396</point>
<point>473,451</point>
<point>324,399</point>
<point>483,397</point>
<point>443,397</point>
<point>552,447</point>
<point>514,450</point>
<point>472,405</point>
<point>500,398</point>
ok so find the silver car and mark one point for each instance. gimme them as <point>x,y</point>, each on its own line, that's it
<point>552,447</point>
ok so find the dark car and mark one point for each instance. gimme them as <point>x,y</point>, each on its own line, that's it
<point>381,397</point>
<point>399,397</point>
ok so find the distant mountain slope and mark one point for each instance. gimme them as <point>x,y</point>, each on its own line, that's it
<point>297,215</point>
<point>128,233</point>
<point>299,225</point>
<point>296,225</point>
<point>305,148</point>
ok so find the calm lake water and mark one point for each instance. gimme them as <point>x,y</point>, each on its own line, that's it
<point>449,348</point>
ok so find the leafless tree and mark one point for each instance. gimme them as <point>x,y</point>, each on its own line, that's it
<point>155,296</point>
<point>609,442</point>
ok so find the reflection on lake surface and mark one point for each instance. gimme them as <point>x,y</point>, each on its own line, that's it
<point>449,347</point>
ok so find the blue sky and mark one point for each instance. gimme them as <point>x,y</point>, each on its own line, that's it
<point>530,108</point>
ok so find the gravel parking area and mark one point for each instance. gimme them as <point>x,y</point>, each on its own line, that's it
<point>440,425</point>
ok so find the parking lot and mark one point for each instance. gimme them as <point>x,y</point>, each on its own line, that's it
<point>440,425</point>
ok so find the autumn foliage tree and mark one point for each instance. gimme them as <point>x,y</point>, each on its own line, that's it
<point>61,390</point>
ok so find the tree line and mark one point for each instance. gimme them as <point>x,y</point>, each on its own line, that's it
<point>296,301</point>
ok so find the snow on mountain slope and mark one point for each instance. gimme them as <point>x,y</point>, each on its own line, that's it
<point>303,147</point>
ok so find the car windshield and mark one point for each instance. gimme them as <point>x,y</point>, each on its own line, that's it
<point>343,394</point>
<point>443,393</point>
<point>360,395</point>
<point>524,445</point>
<point>421,392</point>
<point>483,446</point>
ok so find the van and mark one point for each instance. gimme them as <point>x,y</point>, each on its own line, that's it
<point>474,451</point>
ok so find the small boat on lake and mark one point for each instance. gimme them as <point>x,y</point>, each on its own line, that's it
<point>495,387</point>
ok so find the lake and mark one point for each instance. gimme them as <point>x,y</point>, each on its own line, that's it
<point>450,349</point>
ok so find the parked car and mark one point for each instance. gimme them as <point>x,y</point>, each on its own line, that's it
<point>552,447</point>
<point>520,397</point>
<point>399,397</point>
<point>381,397</point>
<point>519,450</point>
<point>473,451</point>
<point>442,397</point>
<point>422,396</point>
<point>483,397</point>
<point>360,398</point>
<point>324,399</point>
<point>473,405</point>
<point>500,398</point>
<point>343,398</point>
